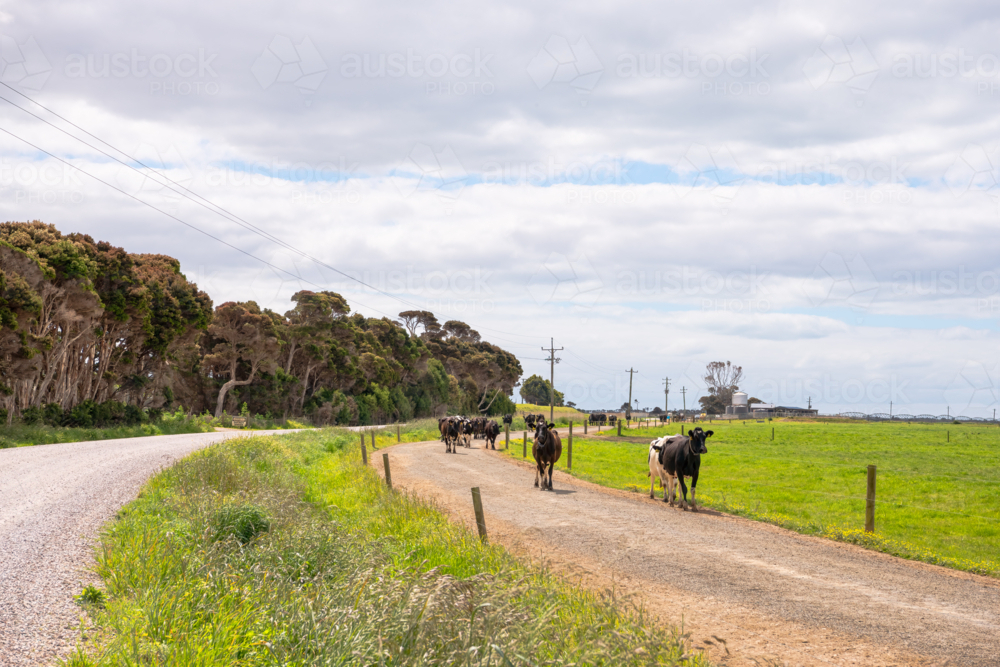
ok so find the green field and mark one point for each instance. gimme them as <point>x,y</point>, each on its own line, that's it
<point>937,500</point>
<point>287,551</point>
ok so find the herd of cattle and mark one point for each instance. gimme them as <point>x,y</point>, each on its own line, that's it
<point>671,458</point>
<point>457,431</point>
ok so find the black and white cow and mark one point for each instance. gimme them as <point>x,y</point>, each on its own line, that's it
<point>674,457</point>
<point>492,431</point>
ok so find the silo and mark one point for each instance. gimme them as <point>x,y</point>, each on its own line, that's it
<point>740,403</point>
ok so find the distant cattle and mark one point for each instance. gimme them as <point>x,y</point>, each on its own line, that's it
<point>491,431</point>
<point>674,457</point>
<point>598,418</point>
<point>529,422</point>
<point>546,449</point>
<point>508,419</point>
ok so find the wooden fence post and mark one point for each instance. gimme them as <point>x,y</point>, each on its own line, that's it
<point>506,429</point>
<point>524,444</point>
<point>388,475</point>
<point>364,450</point>
<point>619,428</point>
<point>585,426</point>
<point>477,505</point>
<point>870,502</point>
<point>398,436</point>
<point>569,449</point>
<point>772,433</point>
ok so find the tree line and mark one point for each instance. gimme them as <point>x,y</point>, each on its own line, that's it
<point>90,332</point>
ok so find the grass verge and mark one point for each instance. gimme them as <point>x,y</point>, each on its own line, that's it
<point>24,435</point>
<point>265,551</point>
<point>938,486</point>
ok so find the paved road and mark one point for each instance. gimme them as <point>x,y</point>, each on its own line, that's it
<point>53,501</point>
<point>770,593</point>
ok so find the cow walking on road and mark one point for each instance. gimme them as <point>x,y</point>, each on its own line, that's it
<point>547,449</point>
<point>674,457</point>
<point>492,431</point>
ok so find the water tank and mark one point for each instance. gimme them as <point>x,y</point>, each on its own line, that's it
<point>739,398</point>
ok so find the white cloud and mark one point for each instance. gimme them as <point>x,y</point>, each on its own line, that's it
<point>756,223</point>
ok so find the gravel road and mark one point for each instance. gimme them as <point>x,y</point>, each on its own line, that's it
<point>53,501</point>
<point>769,593</point>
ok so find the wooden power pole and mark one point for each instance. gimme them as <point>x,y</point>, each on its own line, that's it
<point>552,376</point>
<point>630,372</point>
<point>666,395</point>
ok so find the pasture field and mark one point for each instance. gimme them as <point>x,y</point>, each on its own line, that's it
<point>286,550</point>
<point>937,501</point>
<point>562,414</point>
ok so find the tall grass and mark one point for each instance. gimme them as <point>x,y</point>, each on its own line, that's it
<point>336,570</point>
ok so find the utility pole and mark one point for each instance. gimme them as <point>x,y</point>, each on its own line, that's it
<point>666,395</point>
<point>684,391</point>
<point>630,372</point>
<point>552,376</point>
<point>811,404</point>
<point>890,409</point>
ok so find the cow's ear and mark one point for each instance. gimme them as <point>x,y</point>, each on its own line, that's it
<point>552,425</point>
<point>709,433</point>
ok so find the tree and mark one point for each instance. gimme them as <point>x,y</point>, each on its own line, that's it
<point>712,405</point>
<point>722,379</point>
<point>535,390</point>
<point>414,319</point>
<point>242,336</point>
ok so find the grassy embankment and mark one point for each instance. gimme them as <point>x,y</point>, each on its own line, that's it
<point>285,550</point>
<point>22,435</point>
<point>937,501</point>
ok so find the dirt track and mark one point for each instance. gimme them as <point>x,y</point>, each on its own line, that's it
<point>769,593</point>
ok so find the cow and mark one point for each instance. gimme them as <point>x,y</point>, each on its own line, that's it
<point>468,429</point>
<point>450,432</point>
<point>529,422</point>
<point>546,449</point>
<point>492,431</point>
<point>508,419</point>
<point>674,457</point>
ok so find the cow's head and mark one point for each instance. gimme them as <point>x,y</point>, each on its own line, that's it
<point>542,432</point>
<point>698,438</point>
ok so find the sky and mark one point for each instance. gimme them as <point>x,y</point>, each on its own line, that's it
<point>810,192</point>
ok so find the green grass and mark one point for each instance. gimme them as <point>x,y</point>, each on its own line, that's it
<point>937,501</point>
<point>286,551</point>
<point>22,435</point>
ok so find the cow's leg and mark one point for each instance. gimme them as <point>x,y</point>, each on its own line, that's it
<point>652,481</point>
<point>694,483</point>
<point>538,473</point>
<point>551,466</point>
<point>664,484</point>
<point>684,490</point>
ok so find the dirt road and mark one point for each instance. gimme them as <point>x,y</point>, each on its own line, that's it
<point>769,593</point>
<point>53,501</point>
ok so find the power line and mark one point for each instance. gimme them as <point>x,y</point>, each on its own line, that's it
<point>201,201</point>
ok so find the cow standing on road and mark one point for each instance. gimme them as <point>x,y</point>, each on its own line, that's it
<point>492,431</point>
<point>547,449</point>
<point>672,458</point>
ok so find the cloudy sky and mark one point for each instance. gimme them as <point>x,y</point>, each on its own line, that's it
<point>811,193</point>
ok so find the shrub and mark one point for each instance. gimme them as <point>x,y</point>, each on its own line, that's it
<point>243,522</point>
